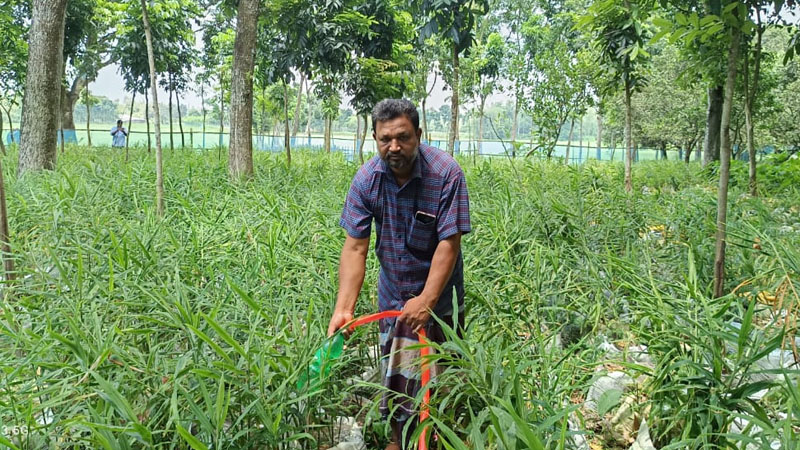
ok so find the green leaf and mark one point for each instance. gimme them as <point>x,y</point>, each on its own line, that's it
<point>112,395</point>
<point>210,342</point>
<point>8,443</point>
<point>608,400</point>
<point>524,430</point>
<point>744,330</point>
<point>226,337</point>
<point>664,24</point>
<point>191,440</point>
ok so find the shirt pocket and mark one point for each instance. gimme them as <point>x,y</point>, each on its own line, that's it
<point>422,238</point>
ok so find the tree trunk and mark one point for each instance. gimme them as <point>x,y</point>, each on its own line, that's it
<point>180,121</point>
<point>599,139</point>
<point>664,151</point>
<point>8,260</point>
<point>157,115</point>
<point>71,97</point>
<point>736,148</point>
<point>87,98</point>
<point>327,139</point>
<point>308,120</point>
<point>130,120</point>
<point>240,159</point>
<point>263,128</point>
<point>514,126</point>
<point>425,133</point>
<point>688,152</point>
<point>750,94</point>
<point>613,145</point>
<point>363,139</point>
<point>713,117</point>
<point>480,127</point>
<point>569,140</point>
<point>67,117</point>
<point>296,121</point>
<point>10,124</point>
<point>358,130</point>
<point>725,164</point>
<point>171,138</point>
<point>2,141</point>
<point>628,139</point>
<point>221,112</point>
<point>451,145</point>
<point>286,141</point>
<point>427,130</point>
<point>580,142</point>
<point>147,118</point>
<point>61,120</point>
<point>203,107</point>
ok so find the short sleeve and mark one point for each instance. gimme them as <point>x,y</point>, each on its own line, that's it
<point>357,215</point>
<point>454,208</point>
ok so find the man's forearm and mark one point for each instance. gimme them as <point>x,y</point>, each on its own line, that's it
<point>352,267</point>
<point>444,260</point>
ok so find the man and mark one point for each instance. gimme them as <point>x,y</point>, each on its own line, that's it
<point>119,134</point>
<point>417,196</point>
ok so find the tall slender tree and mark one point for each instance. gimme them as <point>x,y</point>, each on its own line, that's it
<point>296,119</point>
<point>5,233</point>
<point>619,35</point>
<point>725,164</point>
<point>483,64</point>
<point>753,52</point>
<point>240,156</point>
<point>37,149</point>
<point>154,92</point>
<point>453,21</point>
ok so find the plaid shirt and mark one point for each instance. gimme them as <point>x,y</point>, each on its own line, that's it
<point>405,245</point>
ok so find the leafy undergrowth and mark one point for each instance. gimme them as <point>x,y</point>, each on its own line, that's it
<point>128,331</point>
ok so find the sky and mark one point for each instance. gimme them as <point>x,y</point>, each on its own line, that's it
<point>109,84</point>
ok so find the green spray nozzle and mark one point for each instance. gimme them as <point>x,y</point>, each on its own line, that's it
<point>320,365</point>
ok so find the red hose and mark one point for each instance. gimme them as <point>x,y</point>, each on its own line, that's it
<point>426,371</point>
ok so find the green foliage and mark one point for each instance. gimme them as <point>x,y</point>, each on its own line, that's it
<point>383,56</point>
<point>132,331</point>
<point>670,110</point>
<point>13,50</point>
<point>482,68</point>
<point>620,30</point>
<point>355,45</point>
<point>556,76</point>
<point>453,20</point>
<point>90,28</point>
<point>173,42</point>
<point>708,371</point>
<point>777,172</point>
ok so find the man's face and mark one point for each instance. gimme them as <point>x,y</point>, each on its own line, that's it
<point>398,143</point>
<point>119,123</point>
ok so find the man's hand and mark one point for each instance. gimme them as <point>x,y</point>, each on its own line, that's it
<point>417,312</point>
<point>338,320</point>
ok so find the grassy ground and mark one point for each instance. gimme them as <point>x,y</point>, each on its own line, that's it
<point>128,331</point>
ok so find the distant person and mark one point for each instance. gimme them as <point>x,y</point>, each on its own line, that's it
<point>120,133</point>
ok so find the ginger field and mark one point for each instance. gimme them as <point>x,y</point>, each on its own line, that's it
<point>589,317</point>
